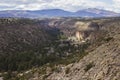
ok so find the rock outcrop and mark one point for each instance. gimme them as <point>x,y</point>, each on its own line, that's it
<point>80,35</point>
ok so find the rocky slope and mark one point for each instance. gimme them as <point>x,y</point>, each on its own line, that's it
<point>18,34</point>
<point>21,41</point>
<point>101,64</point>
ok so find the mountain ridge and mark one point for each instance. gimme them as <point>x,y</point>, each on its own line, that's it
<point>90,12</point>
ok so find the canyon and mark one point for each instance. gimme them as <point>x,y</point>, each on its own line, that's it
<point>59,49</point>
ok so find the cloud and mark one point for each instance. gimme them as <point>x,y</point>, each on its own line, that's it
<point>70,5</point>
<point>116,5</point>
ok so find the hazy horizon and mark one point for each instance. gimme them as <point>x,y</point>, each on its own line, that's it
<point>67,5</point>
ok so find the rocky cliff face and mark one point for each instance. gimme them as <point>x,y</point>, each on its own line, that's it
<point>75,29</point>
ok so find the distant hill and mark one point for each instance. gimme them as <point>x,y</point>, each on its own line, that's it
<point>93,12</point>
<point>90,12</point>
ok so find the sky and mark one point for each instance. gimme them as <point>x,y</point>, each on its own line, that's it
<point>69,5</point>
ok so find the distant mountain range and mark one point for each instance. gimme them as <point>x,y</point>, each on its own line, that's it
<point>90,12</point>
